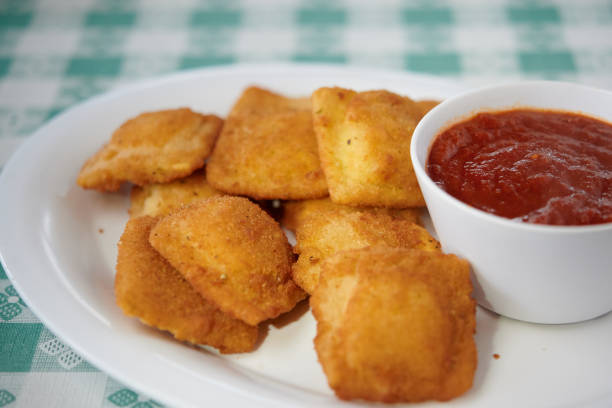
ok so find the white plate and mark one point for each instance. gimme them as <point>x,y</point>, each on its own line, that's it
<point>63,266</point>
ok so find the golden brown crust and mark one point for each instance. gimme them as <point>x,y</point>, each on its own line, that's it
<point>153,147</point>
<point>331,229</point>
<point>148,287</point>
<point>364,146</point>
<point>426,105</point>
<point>395,325</point>
<point>295,212</point>
<point>232,253</point>
<point>267,149</point>
<point>162,199</point>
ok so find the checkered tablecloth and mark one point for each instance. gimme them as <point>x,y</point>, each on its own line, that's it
<point>56,53</point>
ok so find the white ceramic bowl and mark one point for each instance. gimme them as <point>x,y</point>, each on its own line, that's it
<point>535,273</point>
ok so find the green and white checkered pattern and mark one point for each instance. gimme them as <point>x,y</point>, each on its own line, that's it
<point>37,369</point>
<point>55,53</point>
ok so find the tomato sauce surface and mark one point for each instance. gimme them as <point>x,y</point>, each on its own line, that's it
<point>543,167</point>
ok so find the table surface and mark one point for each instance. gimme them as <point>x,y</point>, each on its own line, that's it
<point>56,53</point>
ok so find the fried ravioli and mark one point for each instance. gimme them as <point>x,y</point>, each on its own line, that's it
<point>268,150</point>
<point>233,254</point>
<point>425,106</point>
<point>295,212</point>
<point>154,147</point>
<point>364,146</point>
<point>162,199</point>
<point>324,233</point>
<point>149,288</point>
<point>395,325</point>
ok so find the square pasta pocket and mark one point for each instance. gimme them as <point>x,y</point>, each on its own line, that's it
<point>364,146</point>
<point>268,150</point>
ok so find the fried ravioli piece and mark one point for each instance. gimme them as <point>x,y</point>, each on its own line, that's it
<point>153,147</point>
<point>426,105</point>
<point>268,150</point>
<point>395,325</point>
<point>325,233</point>
<point>233,254</point>
<point>162,199</point>
<point>295,212</point>
<point>364,146</point>
<point>149,288</point>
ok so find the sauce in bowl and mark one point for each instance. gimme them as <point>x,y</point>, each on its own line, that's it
<point>544,167</point>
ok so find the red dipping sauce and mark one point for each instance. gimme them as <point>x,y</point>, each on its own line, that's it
<point>536,166</point>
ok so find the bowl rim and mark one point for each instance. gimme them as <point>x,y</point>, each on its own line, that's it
<point>423,176</point>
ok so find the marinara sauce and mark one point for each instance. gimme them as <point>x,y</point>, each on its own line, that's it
<point>543,167</point>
